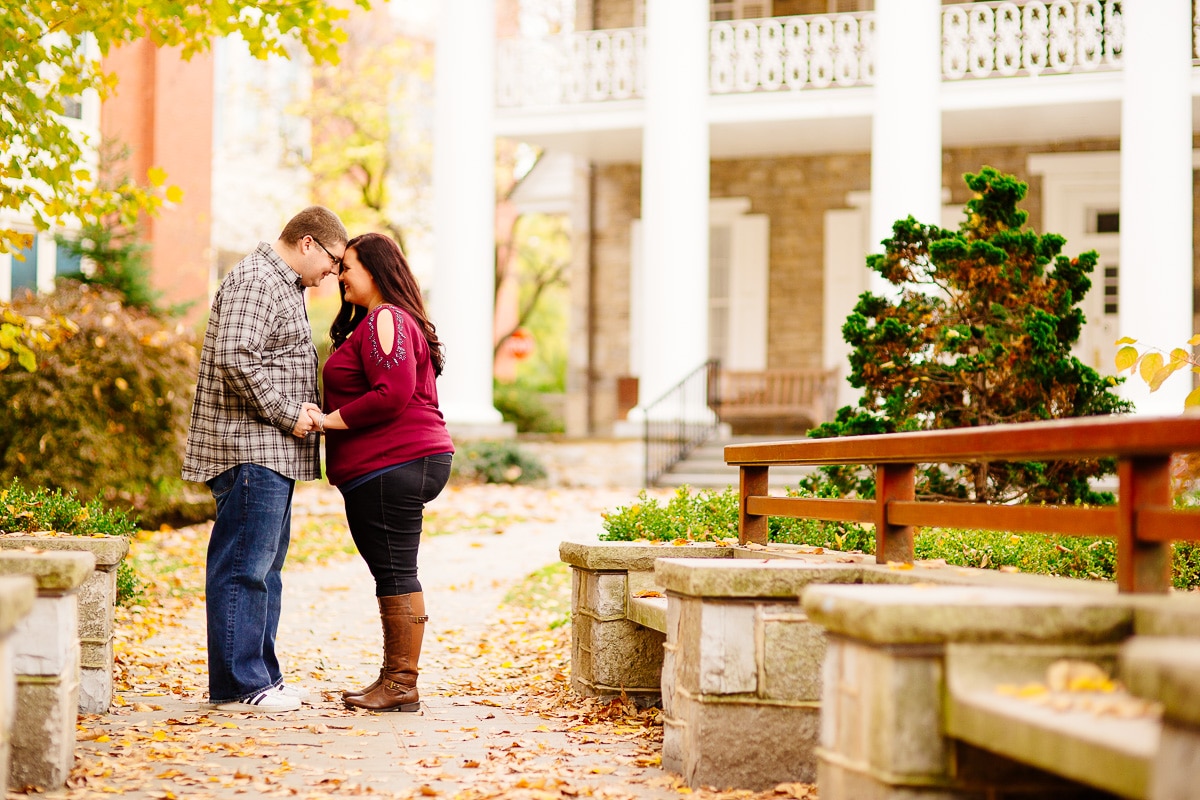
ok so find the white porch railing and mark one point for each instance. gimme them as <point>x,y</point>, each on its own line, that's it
<point>791,53</point>
<point>584,67</point>
<point>979,40</point>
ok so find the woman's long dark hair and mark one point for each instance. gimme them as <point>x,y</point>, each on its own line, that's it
<point>382,259</point>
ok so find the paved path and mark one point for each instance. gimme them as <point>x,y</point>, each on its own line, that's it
<point>471,739</point>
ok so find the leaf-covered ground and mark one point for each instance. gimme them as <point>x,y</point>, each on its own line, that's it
<point>499,717</point>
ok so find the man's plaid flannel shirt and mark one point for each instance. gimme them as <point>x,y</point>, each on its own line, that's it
<point>257,366</point>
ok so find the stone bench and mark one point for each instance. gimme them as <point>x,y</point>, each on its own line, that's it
<point>45,646</point>
<point>16,600</point>
<point>718,636</point>
<point>966,692</point>
<point>97,602</point>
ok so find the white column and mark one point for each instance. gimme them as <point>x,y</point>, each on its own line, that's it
<point>1155,279</point>
<point>464,208</point>
<point>906,131</point>
<point>675,164</point>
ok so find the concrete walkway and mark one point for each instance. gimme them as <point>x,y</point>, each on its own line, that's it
<point>475,737</point>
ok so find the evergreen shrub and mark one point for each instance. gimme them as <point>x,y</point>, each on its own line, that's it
<point>977,330</point>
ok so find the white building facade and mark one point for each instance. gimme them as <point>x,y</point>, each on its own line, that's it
<point>735,162</point>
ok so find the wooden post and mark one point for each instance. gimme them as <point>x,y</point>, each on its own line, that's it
<point>752,527</point>
<point>1142,566</point>
<point>893,542</point>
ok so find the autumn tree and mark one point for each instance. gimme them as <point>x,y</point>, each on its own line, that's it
<point>978,332</point>
<point>372,154</point>
<point>532,250</point>
<point>52,54</point>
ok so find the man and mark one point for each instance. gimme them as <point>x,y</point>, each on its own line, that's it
<point>249,442</point>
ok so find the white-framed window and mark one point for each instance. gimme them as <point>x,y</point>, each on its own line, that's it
<point>724,10</point>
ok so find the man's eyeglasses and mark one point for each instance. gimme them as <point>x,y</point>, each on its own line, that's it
<point>337,262</point>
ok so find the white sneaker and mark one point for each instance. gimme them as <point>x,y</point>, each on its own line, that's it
<point>291,690</point>
<point>268,701</point>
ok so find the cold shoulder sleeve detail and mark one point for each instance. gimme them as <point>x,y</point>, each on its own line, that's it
<point>381,355</point>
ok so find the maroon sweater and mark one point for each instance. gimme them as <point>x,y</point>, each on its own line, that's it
<point>388,400</point>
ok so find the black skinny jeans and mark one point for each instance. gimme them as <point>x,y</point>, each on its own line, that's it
<point>385,516</point>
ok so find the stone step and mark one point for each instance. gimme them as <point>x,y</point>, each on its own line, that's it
<point>705,468</point>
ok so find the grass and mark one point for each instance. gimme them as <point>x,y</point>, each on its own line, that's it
<point>548,590</point>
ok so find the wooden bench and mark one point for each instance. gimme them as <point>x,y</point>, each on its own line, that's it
<point>771,400</point>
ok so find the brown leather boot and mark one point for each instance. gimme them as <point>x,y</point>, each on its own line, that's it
<point>403,630</point>
<point>375,683</point>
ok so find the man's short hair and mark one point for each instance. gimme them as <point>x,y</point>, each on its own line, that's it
<point>318,222</point>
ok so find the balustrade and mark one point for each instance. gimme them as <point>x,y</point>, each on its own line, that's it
<point>791,52</point>
<point>979,40</point>
<point>585,67</point>
<point>983,40</point>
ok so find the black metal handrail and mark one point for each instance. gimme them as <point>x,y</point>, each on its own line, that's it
<point>680,420</point>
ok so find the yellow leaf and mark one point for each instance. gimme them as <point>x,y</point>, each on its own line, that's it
<point>1156,380</point>
<point>1195,339</point>
<point>174,194</point>
<point>1180,356</point>
<point>1126,340</point>
<point>1151,363</point>
<point>1126,358</point>
<point>157,176</point>
<point>1192,400</point>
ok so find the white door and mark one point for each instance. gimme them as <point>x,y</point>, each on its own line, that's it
<point>739,245</point>
<point>1102,304</point>
<point>1081,200</point>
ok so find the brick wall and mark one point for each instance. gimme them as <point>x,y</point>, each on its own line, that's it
<point>794,192</point>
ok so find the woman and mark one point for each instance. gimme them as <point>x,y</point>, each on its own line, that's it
<point>386,445</point>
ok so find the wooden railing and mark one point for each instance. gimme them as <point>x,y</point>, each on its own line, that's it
<point>1143,520</point>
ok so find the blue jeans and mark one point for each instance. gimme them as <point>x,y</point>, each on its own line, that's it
<point>243,584</point>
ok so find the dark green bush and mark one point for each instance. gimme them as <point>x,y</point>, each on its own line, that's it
<point>496,462</point>
<point>105,415</point>
<point>712,516</point>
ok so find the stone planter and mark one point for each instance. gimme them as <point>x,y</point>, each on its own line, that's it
<point>97,601</point>
<point>45,646</point>
<point>16,600</point>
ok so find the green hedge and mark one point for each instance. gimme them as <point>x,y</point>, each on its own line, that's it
<point>712,516</point>
<point>25,510</point>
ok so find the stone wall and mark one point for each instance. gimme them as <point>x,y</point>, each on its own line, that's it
<point>794,192</point>
<point>617,201</point>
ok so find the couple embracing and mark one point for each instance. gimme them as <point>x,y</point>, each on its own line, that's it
<point>255,427</point>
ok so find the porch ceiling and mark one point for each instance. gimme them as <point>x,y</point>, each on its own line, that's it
<point>974,113</point>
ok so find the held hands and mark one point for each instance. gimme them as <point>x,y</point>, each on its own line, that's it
<point>316,417</point>
<point>309,422</point>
